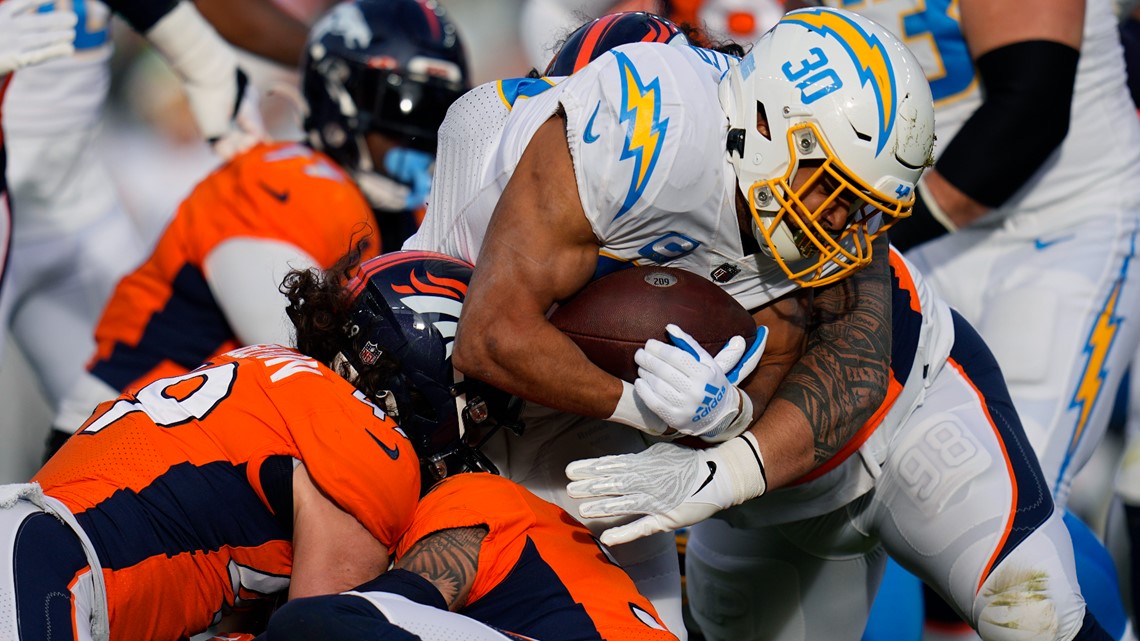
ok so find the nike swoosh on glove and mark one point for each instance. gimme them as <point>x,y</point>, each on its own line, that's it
<point>673,486</point>
<point>693,392</point>
<point>28,37</point>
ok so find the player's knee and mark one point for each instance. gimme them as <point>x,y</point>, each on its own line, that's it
<point>342,617</point>
<point>1023,603</point>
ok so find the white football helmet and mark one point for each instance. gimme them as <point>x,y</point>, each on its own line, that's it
<point>843,94</point>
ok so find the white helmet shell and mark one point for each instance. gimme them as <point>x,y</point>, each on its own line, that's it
<point>841,91</point>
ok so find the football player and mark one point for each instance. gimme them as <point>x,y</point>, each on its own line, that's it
<point>479,546</point>
<point>774,176</point>
<point>378,77</point>
<point>1035,248</point>
<point>265,470</point>
<point>72,237</point>
<point>27,38</point>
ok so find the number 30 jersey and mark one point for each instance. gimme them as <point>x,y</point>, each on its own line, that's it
<point>185,487</point>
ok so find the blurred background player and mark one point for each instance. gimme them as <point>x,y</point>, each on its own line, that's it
<point>27,38</point>
<point>378,77</point>
<point>72,238</point>
<point>479,545</point>
<point>1038,178</point>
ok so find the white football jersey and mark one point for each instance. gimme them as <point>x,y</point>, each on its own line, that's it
<point>66,94</point>
<point>647,121</point>
<point>1099,158</point>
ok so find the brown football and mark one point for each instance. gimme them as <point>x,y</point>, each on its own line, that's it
<point>612,317</point>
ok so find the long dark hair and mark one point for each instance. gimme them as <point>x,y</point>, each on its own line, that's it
<point>321,307</point>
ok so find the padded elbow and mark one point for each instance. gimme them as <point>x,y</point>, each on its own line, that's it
<point>1028,90</point>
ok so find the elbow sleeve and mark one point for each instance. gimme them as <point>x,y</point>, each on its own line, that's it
<point>1028,88</point>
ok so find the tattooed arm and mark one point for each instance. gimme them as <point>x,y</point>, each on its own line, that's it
<point>840,380</point>
<point>448,559</point>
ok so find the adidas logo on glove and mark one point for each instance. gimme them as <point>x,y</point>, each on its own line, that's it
<point>715,395</point>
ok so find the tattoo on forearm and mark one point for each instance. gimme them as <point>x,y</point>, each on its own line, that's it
<point>842,378</point>
<point>449,560</point>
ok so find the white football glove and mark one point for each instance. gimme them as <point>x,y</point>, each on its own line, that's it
<point>222,101</point>
<point>693,392</point>
<point>28,37</point>
<point>672,485</point>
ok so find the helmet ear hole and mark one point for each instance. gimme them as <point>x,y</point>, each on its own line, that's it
<point>762,121</point>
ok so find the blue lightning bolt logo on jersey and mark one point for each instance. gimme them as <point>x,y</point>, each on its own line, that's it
<point>645,131</point>
<point>867,52</point>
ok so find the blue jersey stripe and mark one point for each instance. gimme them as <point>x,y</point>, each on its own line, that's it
<point>1034,500</point>
<point>188,330</point>
<point>189,508</point>
<point>533,601</point>
<point>905,330</point>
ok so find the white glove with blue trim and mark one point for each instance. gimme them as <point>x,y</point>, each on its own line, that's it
<point>672,485</point>
<point>693,392</point>
<point>29,37</point>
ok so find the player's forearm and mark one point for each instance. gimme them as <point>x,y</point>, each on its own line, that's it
<point>840,381</point>
<point>536,362</point>
<point>259,27</point>
<point>449,560</point>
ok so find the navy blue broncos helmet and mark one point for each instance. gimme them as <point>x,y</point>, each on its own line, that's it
<point>599,36</point>
<point>406,308</point>
<point>387,66</point>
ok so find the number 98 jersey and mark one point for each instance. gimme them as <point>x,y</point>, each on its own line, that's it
<point>185,487</point>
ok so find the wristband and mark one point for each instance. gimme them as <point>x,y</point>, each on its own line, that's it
<point>745,466</point>
<point>632,411</point>
<point>739,424</point>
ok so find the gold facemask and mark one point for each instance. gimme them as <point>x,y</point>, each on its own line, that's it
<point>810,254</point>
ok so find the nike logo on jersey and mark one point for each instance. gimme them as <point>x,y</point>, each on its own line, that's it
<point>392,452</point>
<point>1040,244</point>
<point>712,473</point>
<point>589,136</point>
<point>280,196</point>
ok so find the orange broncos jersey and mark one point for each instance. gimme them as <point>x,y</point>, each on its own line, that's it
<point>185,488</point>
<point>541,573</point>
<point>162,319</point>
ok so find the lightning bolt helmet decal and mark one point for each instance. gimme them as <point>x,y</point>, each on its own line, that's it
<point>868,54</point>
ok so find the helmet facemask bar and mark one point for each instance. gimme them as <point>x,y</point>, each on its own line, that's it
<point>794,235</point>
